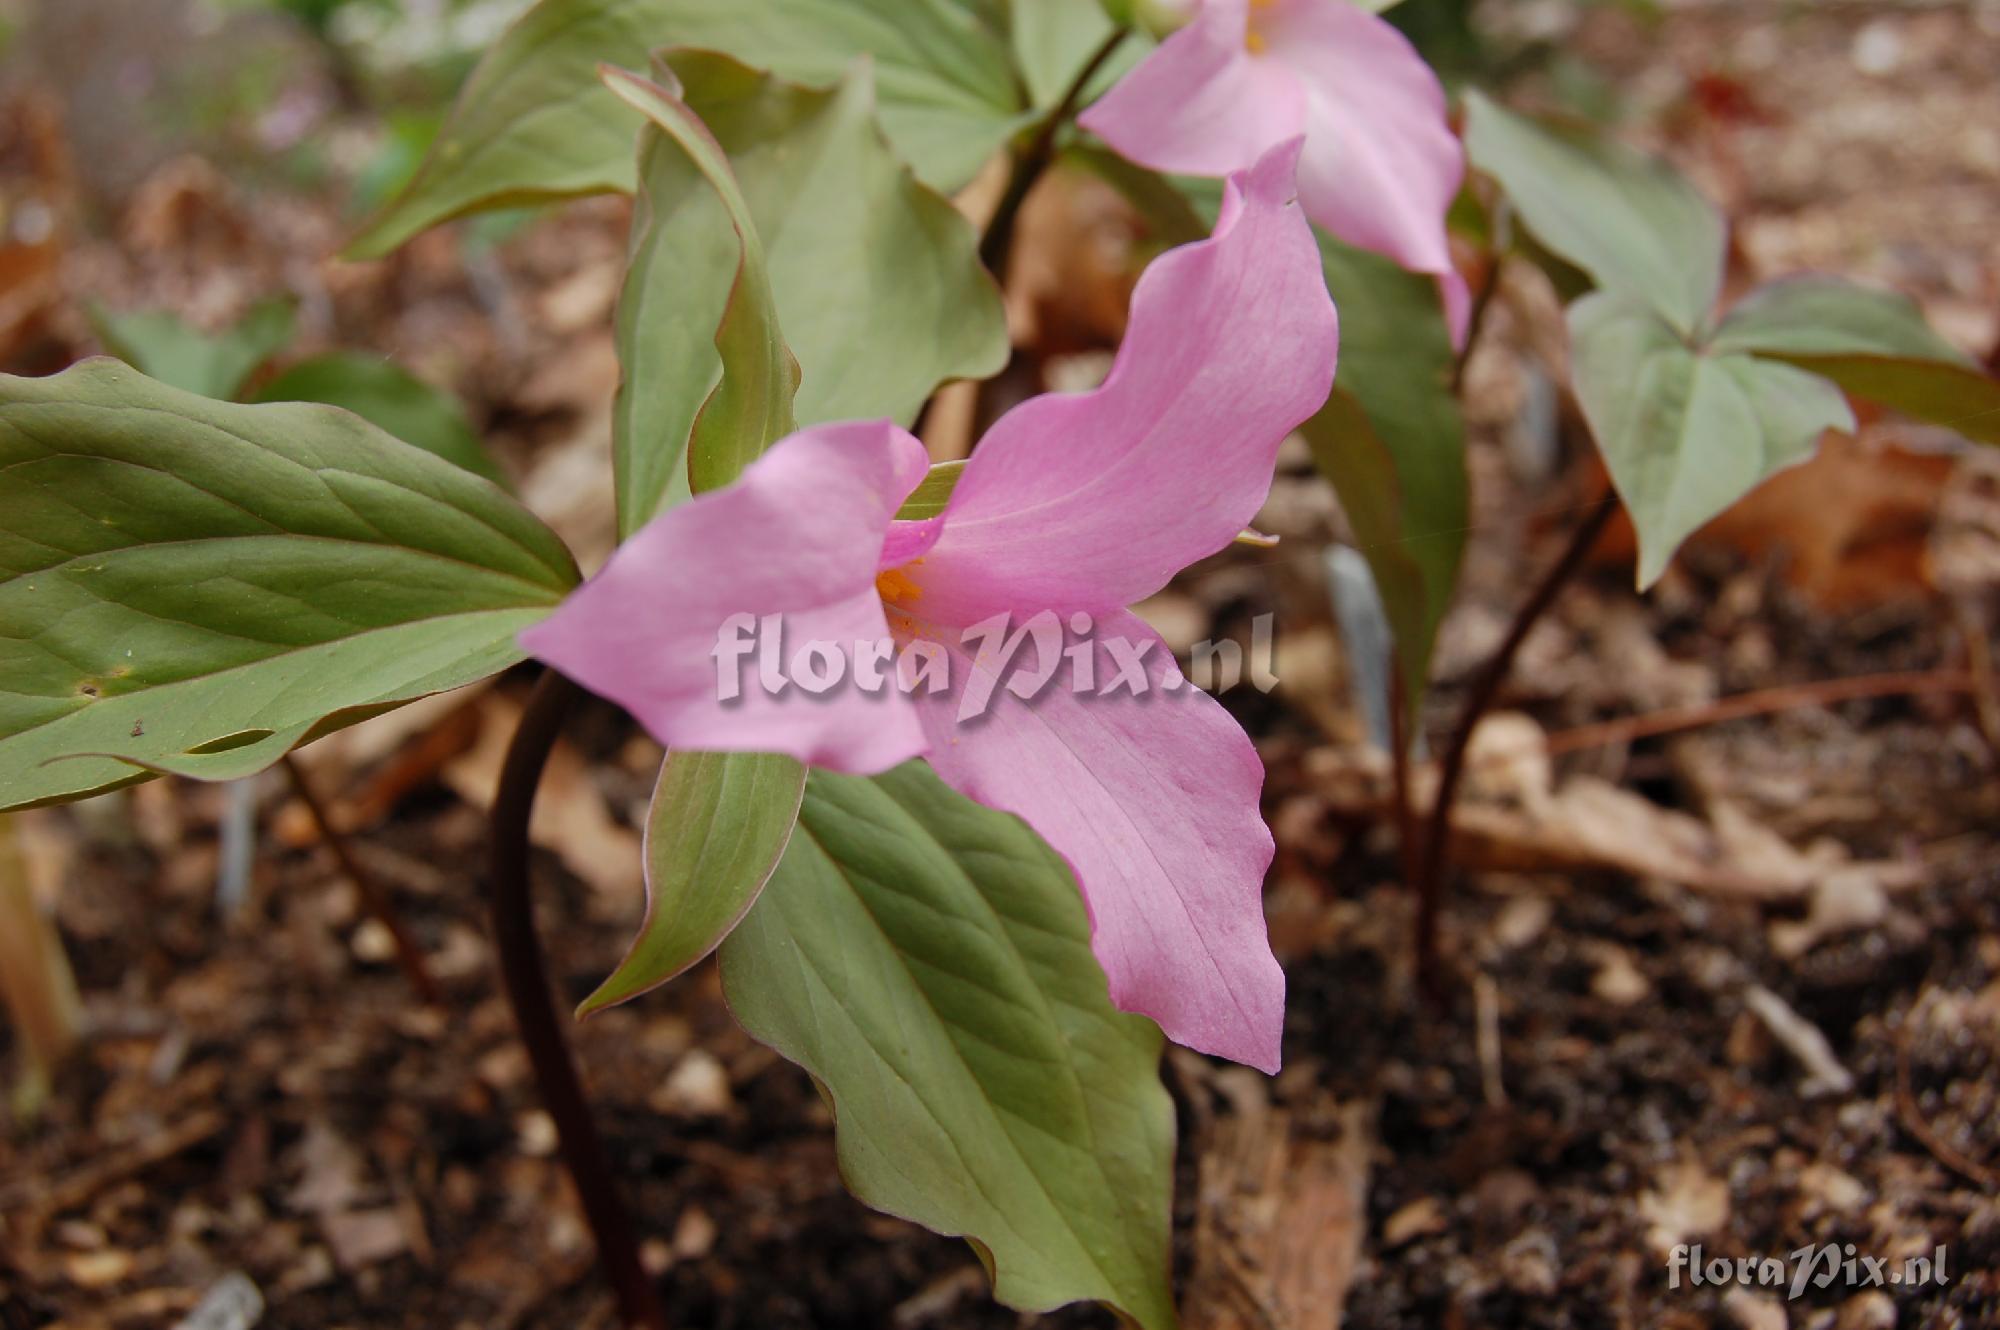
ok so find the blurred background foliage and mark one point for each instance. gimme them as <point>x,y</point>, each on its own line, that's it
<point>346,94</point>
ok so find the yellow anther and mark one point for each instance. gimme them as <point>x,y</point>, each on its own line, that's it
<point>1253,40</point>
<point>895,584</point>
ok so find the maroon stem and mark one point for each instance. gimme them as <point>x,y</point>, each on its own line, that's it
<point>1482,304</point>
<point>1400,742</point>
<point>1431,867</point>
<point>527,983</point>
<point>996,246</point>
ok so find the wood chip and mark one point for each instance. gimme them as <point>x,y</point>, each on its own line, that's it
<point>1283,1216</point>
<point>361,1238</point>
<point>1685,1202</point>
<point>1803,1040</point>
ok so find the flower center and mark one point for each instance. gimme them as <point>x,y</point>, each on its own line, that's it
<point>894,584</point>
<point>1253,40</point>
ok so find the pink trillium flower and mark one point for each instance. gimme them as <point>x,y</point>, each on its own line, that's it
<point>1381,165</point>
<point>1072,505</point>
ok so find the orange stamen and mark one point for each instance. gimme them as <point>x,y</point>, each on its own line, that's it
<point>895,584</point>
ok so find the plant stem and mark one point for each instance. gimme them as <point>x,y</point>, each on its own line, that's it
<point>997,245</point>
<point>375,897</point>
<point>1485,688</point>
<point>1475,323</point>
<point>1399,758</point>
<point>526,979</point>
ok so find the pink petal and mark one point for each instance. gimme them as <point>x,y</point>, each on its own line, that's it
<point>1094,500</point>
<point>800,534</point>
<point>909,540</point>
<point>1201,104</point>
<point>1153,800</point>
<point>1381,165</point>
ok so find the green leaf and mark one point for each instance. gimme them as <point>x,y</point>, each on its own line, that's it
<point>390,398</point>
<point>751,404</point>
<point>193,586</point>
<point>745,381</point>
<point>1876,346</point>
<point>1053,39</point>
<point>928,961</point>
<point>1629,220</point>
<point>718,825</point>
<point>1392,442</point>
<point>159,345</point>
<point>1687,432</point>
<point>533,123</point>
<point>876,277</point>
<point>931,495</point>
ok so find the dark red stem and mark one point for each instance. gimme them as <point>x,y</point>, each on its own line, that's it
<point>996,246</point>
<point>1435,861</point>
<point>526,978</point>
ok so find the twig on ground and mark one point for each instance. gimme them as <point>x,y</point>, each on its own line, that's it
<point>375,897</point>
<point>1803,1040</point>
<point>1486,1004</point>
<point>1763,702</point>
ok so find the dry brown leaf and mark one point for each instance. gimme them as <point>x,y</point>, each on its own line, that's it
<point>37,199</point>
<point>1283,1215</point>
<point>36,985</point>
<point>1854,522</point>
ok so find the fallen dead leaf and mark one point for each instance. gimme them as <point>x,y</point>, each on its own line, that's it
<point>1854,522</point>
<point>1282,1218</point>
<point>1844,901</point>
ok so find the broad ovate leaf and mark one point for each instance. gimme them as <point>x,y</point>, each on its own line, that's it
<point>1053,40</point>
<point>1875,345</point>
<point>1629,220</point>
<point>1687,432</point>
<point>876,277</point>
<point>928,961</point>
<point>391,398</point>
<point>718,822</point>
<point>933,493</point>
<point>718,825</point>
<point>188,585</point>
<point>533,122</point>
<point>159,345</point>
<point>756,377</point>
